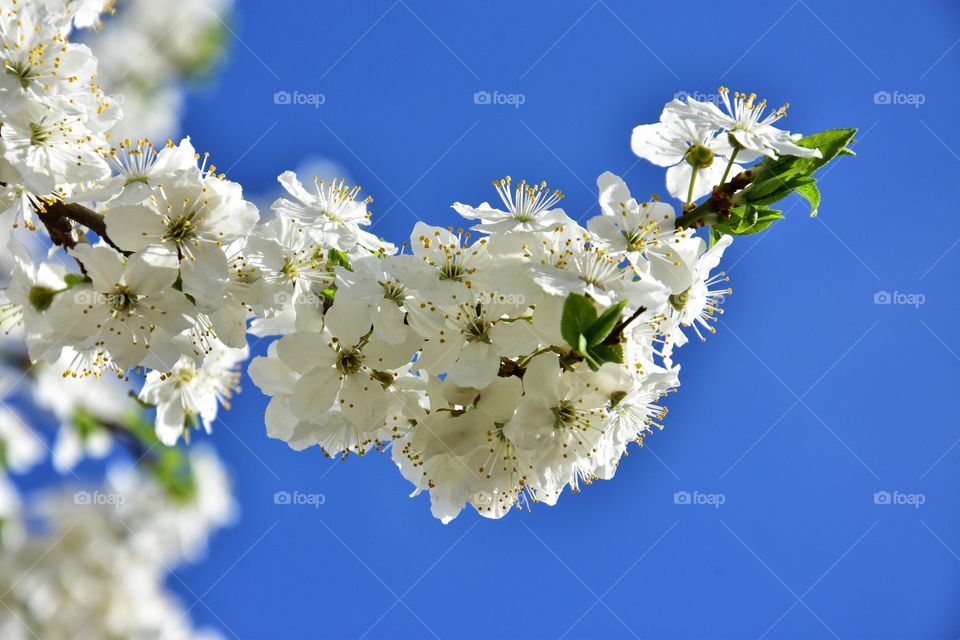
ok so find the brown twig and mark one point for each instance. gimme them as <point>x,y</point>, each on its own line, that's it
<point>718,205</point>
<point>58,217</point>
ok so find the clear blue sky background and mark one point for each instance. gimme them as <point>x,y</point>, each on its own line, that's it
<point>809,400</point>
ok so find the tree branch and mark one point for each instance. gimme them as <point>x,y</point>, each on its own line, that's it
<point>57,217</point>
<point>718,205</point>
<point>616,336</point>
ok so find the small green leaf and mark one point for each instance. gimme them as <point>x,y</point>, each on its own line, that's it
<point>578,314</point>
<point>774,189</point>
<point>776,178</point>
<point>715,235</point>
<point>831,143</point>
<point>601,328</point>
<point>765,218</point>
<point>592,362</point>
<point>337,258</point>
<point>811,194</point>
<point>745,222</point>
<point>605,353</point>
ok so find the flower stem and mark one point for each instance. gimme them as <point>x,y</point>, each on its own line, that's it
<point>726,172</point>
<point>693,181</point>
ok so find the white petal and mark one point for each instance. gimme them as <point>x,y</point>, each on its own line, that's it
<point>314,393</point>
<point>658,144</point>
<point>476,366</point>
<point>613,192</point>
<point>103,265</point>
<point>151,271</point>
<point>304,351</point>
<point>205,274</point>
<point>349,320</point>
<point>134,227</point>
<point>294,187</point>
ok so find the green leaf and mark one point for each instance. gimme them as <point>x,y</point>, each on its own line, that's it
<point>831,143</point>
<point>603,353</point>
<point>578,314</point>
<point>592,362</point>
<point>715,235</point>
<point>337,258</point>
<point>601,328</point>
<point>765,218</point>
<point>774,189</point>
<point>811,194</point>
<point>748,220</point>
<point>775,177</point>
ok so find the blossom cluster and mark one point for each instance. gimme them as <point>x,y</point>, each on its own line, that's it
<point>459,352</point>
<point>499,363</point>
<point>99,569</point>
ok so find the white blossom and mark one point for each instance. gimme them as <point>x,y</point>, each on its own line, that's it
<point>192,393</point>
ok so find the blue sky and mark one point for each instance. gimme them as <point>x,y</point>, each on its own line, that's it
<point>810,400</point>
